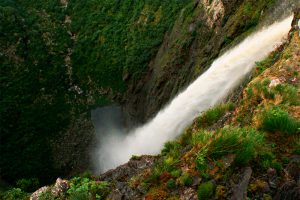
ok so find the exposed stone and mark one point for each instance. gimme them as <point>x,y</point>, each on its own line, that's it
<point>129,169</point>
<point>36,194</point>
<point>189,194</point>
<point>240,190</point>
<point>60,187</point>
<point>274,83</point>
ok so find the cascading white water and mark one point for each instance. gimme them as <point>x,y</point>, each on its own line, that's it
<point>210,88</point>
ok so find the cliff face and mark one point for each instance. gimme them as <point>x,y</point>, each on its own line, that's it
<point>246,148</point>
<point>59,59</point>
<point>200,33</point>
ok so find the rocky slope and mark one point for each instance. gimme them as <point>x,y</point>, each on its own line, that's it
<point>246,148</point>
<point>73,56</point>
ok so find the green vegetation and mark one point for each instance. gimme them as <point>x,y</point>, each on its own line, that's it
<point>116,39</point>
<point>14,194</point>
<point>35,102</point>
<point>275,119</point>
<point>171,184</point>
<point>28,184</point>
<point>205,190</point>
<point>214,114</point>
<point>186,180</point>
<point>242,142</point>
<point>266,63</point>
<point>40,96</point>
<point>81,188</point>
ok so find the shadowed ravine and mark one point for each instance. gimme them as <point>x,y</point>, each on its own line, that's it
<point>208,90</point>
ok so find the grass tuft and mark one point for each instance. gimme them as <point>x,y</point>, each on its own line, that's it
<point>214,114</point>
<point>276,119</point>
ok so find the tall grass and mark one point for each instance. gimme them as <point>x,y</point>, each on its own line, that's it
<point>275,119</point>
<point>242,142</point>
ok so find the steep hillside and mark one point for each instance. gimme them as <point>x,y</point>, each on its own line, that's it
<point>60,59</point>
<point>57,61</point>
<point>246,148</point>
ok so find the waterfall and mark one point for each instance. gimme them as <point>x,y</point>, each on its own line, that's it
<point>210,88</point>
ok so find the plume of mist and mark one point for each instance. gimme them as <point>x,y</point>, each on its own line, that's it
<point>209,89</point>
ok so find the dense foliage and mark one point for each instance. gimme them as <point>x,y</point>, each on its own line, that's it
<point>53,54</point>
<point>34,104</point>
<point>116,39</point>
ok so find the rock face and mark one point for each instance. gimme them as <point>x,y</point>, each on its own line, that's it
<point>71,150</point>
<point>240,190</point>
<point>122,175</point>
<point>60,187</point>
<point>196,39</point>
<point>58,190</point>
<point>36,194</point>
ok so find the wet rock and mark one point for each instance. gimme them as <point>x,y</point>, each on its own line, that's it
<point>240,190</point>
<point>189,194</point>
<point>60,187</point>
<point>290,190</point>
<point>36,194</point>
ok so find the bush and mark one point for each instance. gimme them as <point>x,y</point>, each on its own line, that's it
<point>205,190</point>
<point>276,119</point>
<point>47,196</point>
<point>85,187</point>
<point>28,185</point>
<point>14,194</point>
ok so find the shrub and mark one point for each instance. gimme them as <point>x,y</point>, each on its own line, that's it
<point>276,119</point>
<point>80,196</point>
<point>47,196</point>
<point>82,187</point>
<point>28,185</point>
<point>14,194</point>
<point>205,190</point>
<point>214,114</point>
